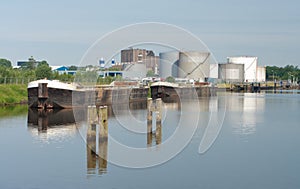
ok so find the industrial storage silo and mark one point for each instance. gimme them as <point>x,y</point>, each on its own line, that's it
<point>250,66</point>
<point>194,65</point>
<point>168,64</point>
<point>231,72</point>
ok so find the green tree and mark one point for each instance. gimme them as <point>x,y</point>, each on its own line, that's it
<point>150,73</point>
<point>5,63</point>
<point>170,79</point>
<point>30,64</point>
<point>73,68</point>
<point>43,71</point>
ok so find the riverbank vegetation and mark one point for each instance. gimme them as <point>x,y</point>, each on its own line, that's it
<point>13,94</point>
<point>288,72</point>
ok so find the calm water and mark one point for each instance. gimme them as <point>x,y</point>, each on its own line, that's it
<point>257,146</point>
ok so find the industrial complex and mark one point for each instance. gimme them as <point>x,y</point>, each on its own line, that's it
<point>189,65</point>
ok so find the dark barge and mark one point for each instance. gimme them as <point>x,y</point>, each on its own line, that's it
<point>171,92</point>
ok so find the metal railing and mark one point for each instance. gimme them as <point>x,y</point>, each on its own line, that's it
<point>15,80</point>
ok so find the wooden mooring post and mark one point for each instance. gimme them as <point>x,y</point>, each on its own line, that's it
<point>91,139</point>
<point>103,140</point>
<point>157,108</point>
<point>97,121</point>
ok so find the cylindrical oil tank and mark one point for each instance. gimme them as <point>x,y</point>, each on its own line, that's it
<point>250,66</point>
<point>168,64</point>
<point>194,65</point>
<point>231,72</point>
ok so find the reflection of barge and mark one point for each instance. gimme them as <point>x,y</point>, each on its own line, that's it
<point>55,117</point>
<point>170,92</point>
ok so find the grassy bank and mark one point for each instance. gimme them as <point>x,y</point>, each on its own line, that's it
<point>13,94</point>
<point>15,110</point>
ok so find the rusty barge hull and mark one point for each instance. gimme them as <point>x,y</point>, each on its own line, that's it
<point>45,94</point>
<point>169,93</point>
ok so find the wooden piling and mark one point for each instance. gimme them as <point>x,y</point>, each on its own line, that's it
<point>92,115</point>
<point>158,130</point>
<point>149,122</point>
<point>91,137</point>
<point>91,148</point>
<point>103,139</point>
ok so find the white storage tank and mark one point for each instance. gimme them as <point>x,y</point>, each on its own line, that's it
<point>168,63</point>
<point>231,72</point>
<point>250,66</point>
<point>261,74</point>
<point>194,65</point>
<point>214,71</point>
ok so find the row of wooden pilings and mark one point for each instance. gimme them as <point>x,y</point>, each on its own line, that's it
<point>98,123</point>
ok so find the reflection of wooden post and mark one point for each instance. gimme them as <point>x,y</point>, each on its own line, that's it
<point>43,120</point>
<point>149,121</point>
<point>91,148</point>
<point>91,140</point>
<point>103,139</point>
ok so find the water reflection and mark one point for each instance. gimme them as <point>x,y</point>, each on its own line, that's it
<point>245,110</point>
<point>51,125</point>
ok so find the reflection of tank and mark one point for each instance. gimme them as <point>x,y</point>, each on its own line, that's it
<point>168,64</point>
<point>194,65</point>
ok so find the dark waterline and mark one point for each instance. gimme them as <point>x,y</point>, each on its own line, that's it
<point>257,147</point>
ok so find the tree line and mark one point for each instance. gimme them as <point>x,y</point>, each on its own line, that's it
<point>34,70</point>
<point>289,72</point>
<point>29,71</point>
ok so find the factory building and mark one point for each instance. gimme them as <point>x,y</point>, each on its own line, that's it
<point>135,55</point>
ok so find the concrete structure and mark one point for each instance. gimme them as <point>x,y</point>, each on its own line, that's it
<point>261,74</point>
<point>137,70</point>
<point>168,64</point>
<point>194,65</point>
<point>152,63</point>
<point>231,72</point>
<point>250,66</point>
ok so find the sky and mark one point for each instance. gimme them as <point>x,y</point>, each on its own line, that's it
<point>61,31</point>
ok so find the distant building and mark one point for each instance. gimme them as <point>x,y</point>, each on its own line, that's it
<point>22,63</point>
<point>102,63</point>
<point>136,62</point>
<point>135,55</point>
<point>62,70</point>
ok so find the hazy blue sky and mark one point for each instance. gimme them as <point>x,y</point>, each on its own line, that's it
<point>61,31</point>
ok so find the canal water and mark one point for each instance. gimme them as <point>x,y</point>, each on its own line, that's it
<point>242,140</point>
